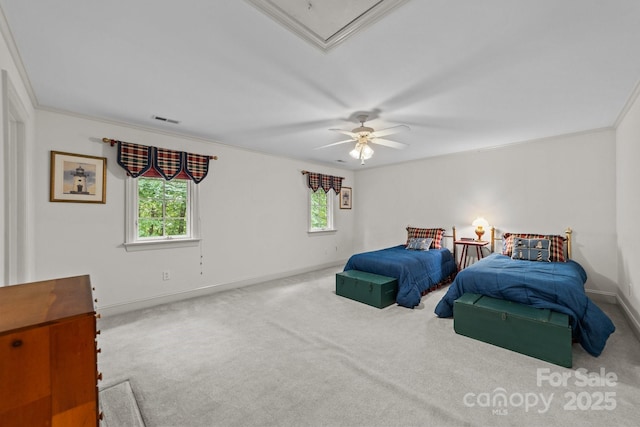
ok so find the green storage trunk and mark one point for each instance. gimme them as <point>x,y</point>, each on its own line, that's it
<point>373,289</point>
<point>536,332</point>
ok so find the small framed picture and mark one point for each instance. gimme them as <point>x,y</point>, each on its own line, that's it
<point>345,198</point>
<point>78,178</point>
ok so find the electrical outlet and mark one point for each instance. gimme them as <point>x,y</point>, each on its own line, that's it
<point>166,275</point>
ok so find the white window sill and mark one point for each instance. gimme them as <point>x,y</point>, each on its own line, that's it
<point>160,244</point>
<point>315,232</point>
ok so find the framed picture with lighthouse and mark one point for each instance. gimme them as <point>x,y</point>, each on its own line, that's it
<point>78,178</point>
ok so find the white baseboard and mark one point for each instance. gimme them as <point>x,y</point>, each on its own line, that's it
<point>633,321</point>
<point>114,309</point>
<point>613,298</point>
<point>602,296</point>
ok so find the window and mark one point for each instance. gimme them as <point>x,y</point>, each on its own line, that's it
<point>161,212</point>
<point>320,211</point>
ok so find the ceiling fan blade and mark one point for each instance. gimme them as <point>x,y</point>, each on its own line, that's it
<point>387,143</point>
<point>346,132</point>
<point>389,131</point>
<point>335,143</point>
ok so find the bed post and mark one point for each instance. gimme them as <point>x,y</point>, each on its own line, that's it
<point>493,239</point>
<point>454,243</point>
<point>567,233</point>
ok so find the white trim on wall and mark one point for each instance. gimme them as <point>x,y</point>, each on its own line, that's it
<point>15,181</point>
<point>635,94</point>
<point>115,309</point>
<point>628,313</point>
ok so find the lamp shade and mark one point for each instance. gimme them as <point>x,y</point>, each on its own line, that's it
<point>361,151</point>
<point>479,223</point>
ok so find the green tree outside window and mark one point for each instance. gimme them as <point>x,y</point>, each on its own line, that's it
<point>320,211</point>
<point>162,208</point>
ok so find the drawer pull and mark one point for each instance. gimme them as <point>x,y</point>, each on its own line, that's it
<point>16,343</point>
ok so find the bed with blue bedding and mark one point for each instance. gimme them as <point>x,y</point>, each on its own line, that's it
<point>558,286</point>
<point>417,271</point>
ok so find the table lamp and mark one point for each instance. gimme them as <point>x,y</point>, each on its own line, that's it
<point>479,223</point>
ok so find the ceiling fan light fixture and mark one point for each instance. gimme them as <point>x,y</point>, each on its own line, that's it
<point>367,152</point>
<point>363,136</point>
<point>362,151</point>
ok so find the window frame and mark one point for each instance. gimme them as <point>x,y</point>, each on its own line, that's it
<point>330,212</point>
<point>134,243</point>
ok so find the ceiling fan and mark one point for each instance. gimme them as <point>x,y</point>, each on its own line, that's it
<point>363,135</point>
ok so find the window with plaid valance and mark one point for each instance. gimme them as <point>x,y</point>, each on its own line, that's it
<point>326,182</point>
<point>153,162</point>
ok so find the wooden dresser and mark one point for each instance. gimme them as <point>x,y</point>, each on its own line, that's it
<point>48,354</point>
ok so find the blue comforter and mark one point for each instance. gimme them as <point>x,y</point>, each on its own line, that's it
<point>416,271</point>
<point>558,286</point>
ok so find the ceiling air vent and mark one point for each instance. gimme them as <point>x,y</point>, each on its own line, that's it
<point>164,119</point>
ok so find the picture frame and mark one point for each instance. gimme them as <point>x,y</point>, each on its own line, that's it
<point>78,178</point>
<point>345,198</point>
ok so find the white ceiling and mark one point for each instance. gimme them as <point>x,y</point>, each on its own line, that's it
<point>463,74</point>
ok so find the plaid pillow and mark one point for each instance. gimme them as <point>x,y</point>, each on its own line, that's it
<point>556,249</point>
<point>434,233</point>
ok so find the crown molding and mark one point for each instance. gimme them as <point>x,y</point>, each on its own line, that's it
<point>355,25</point>
<point>627,106</point>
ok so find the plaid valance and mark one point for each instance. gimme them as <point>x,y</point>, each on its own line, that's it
<point>141,160</point>
<point>326,182</point>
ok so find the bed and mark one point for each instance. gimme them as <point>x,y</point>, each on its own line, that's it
<point>420,265</point>
<point>556,283</point>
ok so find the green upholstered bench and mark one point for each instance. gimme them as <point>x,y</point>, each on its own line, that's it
<point>373,289</point>
<point>536,332</point>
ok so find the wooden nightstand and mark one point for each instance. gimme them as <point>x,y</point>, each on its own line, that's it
<point>466,243</point>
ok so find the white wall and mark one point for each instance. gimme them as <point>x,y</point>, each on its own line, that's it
<point>539,186</point>
<point>253,215</point>
<point>628,209</point>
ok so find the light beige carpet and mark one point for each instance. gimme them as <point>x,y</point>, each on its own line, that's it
<point>292,353</point>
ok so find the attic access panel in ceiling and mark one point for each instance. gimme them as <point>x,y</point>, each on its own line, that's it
<point>326,23</point>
